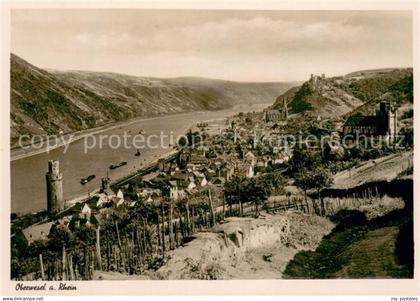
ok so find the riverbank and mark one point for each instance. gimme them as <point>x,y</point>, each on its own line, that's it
<point>18,152</point>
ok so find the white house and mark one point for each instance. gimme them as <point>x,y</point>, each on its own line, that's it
<point>120,194</point>
<point>191,186</point>
<point>86,211</point>
<point>250,157</point>
<point>203,182</point>
<point>103,199</point>
<point>149,200</point>
<point>250,172</point>
<point>173,192</point>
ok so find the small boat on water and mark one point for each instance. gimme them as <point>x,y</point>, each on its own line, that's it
<point>83,181</point>
<point>114,166</point>
<point>137,154</point>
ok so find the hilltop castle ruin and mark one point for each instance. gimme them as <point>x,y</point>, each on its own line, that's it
<point>315,82</point>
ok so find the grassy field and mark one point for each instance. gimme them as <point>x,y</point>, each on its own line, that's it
<point>373,256</point>
<point>358,248</point>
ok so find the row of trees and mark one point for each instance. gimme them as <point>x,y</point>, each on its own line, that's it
<point>310,173</point>
<point>256,190</point>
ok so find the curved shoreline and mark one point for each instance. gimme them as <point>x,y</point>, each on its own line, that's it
<point>16,153</point>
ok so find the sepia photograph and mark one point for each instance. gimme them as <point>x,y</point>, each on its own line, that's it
<point>210,144</point>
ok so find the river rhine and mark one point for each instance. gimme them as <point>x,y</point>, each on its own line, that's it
<point>28,187</point>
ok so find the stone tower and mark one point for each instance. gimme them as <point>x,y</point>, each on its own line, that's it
<point>161,164</point>
<point>55,202</point>
<point>392,124</point>
<point>387,111</point>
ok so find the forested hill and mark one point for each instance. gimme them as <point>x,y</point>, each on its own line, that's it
<point>48,102</point>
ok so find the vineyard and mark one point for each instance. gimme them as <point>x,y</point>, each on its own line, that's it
<point>134,241</point>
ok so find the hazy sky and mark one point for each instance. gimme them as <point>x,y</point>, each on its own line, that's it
<point>234,45</point>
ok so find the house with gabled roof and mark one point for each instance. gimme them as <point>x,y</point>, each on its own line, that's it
<point>37,232</point>
<point>197,160</point>
<point>191,186</point>
<point>86,212</point>
<point>218,181</point>
<point>181,177</point>
<point>250,158</point>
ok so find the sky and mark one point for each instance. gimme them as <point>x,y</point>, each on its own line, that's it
<point>236,45</point>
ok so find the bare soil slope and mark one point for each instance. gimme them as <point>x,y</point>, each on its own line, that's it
<point>246,248</point>
<point>384,168</point>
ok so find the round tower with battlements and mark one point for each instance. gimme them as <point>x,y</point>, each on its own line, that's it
<point>55,202</point>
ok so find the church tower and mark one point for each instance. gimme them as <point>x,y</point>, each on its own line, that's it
<point>390,113</point>
<point>392,124</point>
<point>55,202</point>
<point>285,112</point>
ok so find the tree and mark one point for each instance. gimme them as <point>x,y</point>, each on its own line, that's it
<point>304,160</point>
<point>273,181</point>
<point>318,179</point>
<point>304,182</point>
<point>85,235</point>
<point>240,152</point>
<point>60,236</point>
<point>408,137</point>
<point>299,103</point>
<point>233,192</point>
<point>333,151</point>
<point>322,178</point>
<point>256,192</point>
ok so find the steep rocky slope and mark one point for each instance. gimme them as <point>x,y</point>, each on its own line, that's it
<point>355,92</point>
<point>49,102</point>
<point>246,248</point>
